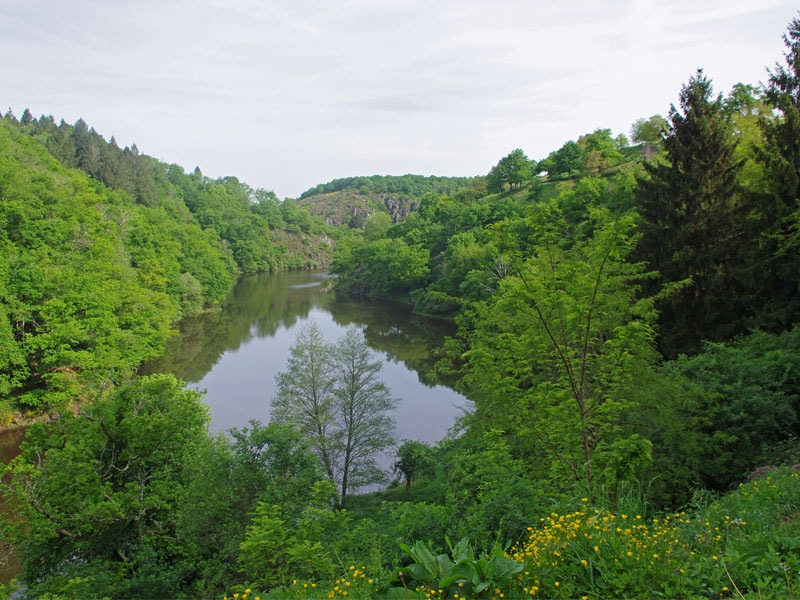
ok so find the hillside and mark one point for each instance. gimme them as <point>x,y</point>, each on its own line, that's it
<point>103,249</point>
<point>350,201</point>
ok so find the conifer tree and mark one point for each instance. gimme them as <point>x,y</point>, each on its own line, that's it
<point>781,158</point>
<point>688,206</point>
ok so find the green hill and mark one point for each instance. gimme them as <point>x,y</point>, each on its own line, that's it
<point>349,201</point>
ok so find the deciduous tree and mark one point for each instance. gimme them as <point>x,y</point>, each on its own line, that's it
<point>553,355</point>
<point>363,407</point>
<point>333,395</point>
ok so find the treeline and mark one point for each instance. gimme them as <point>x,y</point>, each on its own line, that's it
<point>596,295</point>
<point>103,249</point>
<point>413,186</point>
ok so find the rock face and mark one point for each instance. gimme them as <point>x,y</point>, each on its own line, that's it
<point>399,207</point>
<point>351,208</point>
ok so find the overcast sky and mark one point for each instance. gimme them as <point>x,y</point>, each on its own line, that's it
<point>288,94</point>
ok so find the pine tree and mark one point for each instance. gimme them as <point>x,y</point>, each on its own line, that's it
<point>781,158</point>
<point>689,227</point>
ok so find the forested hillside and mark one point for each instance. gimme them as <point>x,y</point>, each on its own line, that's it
<point>627,329</point>
<point>352,200</point>
<point>104,249</point>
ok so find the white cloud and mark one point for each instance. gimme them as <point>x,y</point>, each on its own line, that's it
<point>287,95</point>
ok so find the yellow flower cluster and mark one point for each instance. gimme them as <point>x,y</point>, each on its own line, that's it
<point>354,584</point>
<point>605,545</point>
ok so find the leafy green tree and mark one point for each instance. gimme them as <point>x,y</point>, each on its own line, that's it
<point>649,131</point>
<point>376,226</point>
<point>304,398</point>
<point>691,221</point>
<point>566,159</point>
<point>382,268</point>
<point>363,405</point>
<point>512,170</point>
<point>554,354</point>
<point>414,459</point>
<point>96,492</point>
<point>333,395</point>
<point>599,152</point>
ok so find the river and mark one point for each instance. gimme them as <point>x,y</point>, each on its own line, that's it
<point>235,353</point>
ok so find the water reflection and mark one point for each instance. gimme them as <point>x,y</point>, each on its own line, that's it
<point>235,353</point>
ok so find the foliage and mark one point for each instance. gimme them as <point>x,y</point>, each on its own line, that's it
<point>94,274</point>
<point>333,396</point>
<point>599,152</point>
<point>381,268</point>
<point>740,546</point>
<point>780,155</point>
<point>363,405</point>
<point>515,169</point>
<point>414,459</point>
<point>650,131</point>
<point>554,353</point>
<point>97,492</point>
<point>742,400</point>
<point>692,218</point>
<point>415,186</point>
<point>460,573</point>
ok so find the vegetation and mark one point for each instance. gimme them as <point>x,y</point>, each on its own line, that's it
<point>333,395</point>
<point>627,330</point>
<point>353,200</point>
<point>98,265</point>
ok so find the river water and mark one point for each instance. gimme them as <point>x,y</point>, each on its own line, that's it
<point>235,353</point>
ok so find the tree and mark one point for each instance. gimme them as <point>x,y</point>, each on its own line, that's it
<point>333,396</point>
<point>781,157</point>
<point>566,159</point>
<point>362,406</point>
<point>304,398</point>
<point>97,492</point>
<point>599,151</point>
<point>691,226</point>
<point>552,357</point>
<point>413,459</point>
<point>512,170</point>
<point>649,131</point>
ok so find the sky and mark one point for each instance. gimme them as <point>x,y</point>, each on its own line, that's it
<point>288,94</point>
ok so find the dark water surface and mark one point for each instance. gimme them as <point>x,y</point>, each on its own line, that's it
<point>235,353</point>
